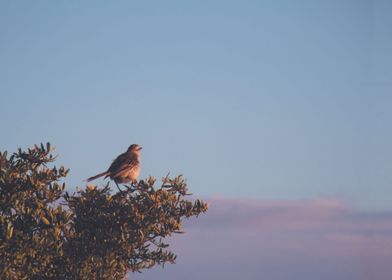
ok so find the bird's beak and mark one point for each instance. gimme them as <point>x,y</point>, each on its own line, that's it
<point>140,148</point>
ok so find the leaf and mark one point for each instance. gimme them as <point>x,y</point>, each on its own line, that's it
<point>10,231</point>
<point>45,221</point>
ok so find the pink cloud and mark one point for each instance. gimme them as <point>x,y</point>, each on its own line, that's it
<point>305,239</point>
<point>331,215</point>
<point>271,215</point>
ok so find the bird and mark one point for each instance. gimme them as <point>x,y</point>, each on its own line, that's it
<point>125,168</point>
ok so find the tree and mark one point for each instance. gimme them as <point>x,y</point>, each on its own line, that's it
<point>95,233</point>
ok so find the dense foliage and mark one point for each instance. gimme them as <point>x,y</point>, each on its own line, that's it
<point>95,233</point>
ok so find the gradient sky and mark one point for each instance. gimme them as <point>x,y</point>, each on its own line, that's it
<point>269,100</point>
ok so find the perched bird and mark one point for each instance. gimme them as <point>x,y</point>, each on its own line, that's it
<point>125,168</point>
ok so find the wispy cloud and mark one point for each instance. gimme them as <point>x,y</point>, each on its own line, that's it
<point>305,239</point>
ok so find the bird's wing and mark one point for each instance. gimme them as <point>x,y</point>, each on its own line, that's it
<point>121,163</point>
<point>118,163</point>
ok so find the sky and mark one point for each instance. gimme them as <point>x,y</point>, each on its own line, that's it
<point>274,101</point>
<point>304,239</point>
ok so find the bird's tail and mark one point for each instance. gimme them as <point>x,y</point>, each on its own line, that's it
<point>97,176</point>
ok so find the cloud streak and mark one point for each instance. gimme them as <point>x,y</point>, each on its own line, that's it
<point>306,239</point>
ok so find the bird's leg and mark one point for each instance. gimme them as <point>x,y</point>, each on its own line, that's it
<point>128,187</point>
<point>117,186</point>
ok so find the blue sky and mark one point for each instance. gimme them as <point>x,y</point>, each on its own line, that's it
<point>269,99</point>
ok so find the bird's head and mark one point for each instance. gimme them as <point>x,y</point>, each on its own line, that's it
<point>135,148</point>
